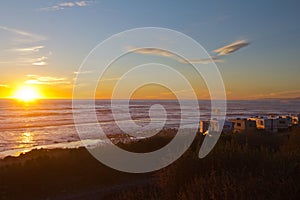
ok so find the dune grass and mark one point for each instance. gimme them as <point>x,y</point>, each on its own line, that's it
<point>251,165</point>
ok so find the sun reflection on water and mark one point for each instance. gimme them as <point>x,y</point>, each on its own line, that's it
<point>26,140</point>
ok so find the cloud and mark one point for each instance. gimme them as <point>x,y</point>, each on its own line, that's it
<point>111,79</point>
<point>39,61</point>
<point>82,3</point>
<point>64,5</point>
<point>228,49</point>
<point>204,60</point>
<point>164,53</point>
<point>153,51</point>
<point>83,72</point>
<point>25,50</point>
<point>46,80</point>
<point>27,37</point>
<point>30,49</point>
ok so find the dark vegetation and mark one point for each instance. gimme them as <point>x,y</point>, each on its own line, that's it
<point>253,165</point>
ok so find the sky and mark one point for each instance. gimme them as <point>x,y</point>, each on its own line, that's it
<point>254,44</point>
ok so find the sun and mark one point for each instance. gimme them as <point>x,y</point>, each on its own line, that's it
<point>27,93</point>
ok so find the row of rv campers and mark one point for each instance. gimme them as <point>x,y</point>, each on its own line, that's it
<point>269,124</point>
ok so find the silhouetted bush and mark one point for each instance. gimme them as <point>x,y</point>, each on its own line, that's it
<point>253,165</point>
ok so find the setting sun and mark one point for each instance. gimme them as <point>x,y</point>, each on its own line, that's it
<point>27,93</point>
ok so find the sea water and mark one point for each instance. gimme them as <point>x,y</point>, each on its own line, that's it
<point>50,124</point>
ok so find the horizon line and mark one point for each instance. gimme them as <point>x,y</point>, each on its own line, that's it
<point>63,98</point>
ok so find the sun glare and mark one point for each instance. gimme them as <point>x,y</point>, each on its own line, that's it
<point>27,93</point>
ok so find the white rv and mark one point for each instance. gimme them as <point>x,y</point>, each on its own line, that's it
<point>214,126</point>
<point>295,120</point>
<point>241,125</point>
<point>284,123</point>
<point>211,125</point>
<point>267,124</point>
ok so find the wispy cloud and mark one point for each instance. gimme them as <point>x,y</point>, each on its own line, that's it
<point>164,53</point>
<point>25,49</point>
<point>111,79</point>
<point>152,51</point>
<point>29,56</point>
<point>26,61</point>
<point>29,49</point>
<point>228,49</point>
<point>26,36</point>
<point>39,61</point>
<point>233,47</point>
<point>83,72</point>
<point>46,80</point>
<point>64,5</point>
<point>204,60</point>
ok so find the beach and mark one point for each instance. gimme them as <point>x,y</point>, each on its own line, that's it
<point>259,164</point>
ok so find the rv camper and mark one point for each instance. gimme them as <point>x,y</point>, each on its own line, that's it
<point>284,123</point>
<point>241,125</point>
<point>267,124</point>
<point>211,125</point>
<point>204,125</point>
<point>214,126</point>
<point>295,120</point>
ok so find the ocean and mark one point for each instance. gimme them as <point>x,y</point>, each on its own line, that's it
<point>50,124</point>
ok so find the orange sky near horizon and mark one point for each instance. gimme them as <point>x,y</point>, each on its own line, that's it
<point>145,92</point>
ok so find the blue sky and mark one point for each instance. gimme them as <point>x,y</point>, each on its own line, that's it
<point>47,40</point>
